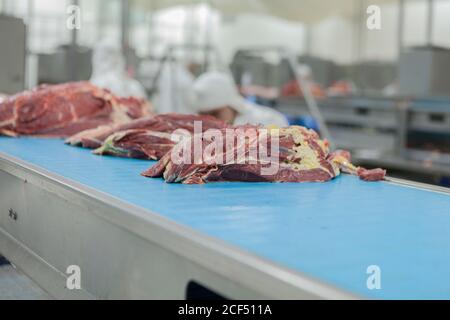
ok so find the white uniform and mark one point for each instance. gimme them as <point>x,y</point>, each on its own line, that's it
<point>215,90</point>
<point>108,71</point>
<point>174,89</point>
<point>253,113</point>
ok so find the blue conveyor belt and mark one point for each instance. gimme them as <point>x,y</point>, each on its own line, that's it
<point>331,231</point>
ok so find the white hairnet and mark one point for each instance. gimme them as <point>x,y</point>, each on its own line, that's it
<point>215,90</point>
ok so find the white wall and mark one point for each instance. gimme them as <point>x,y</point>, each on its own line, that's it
<point>383,44</point>
<point>442,24</point>
<point>335,38</point>
<point>249,30</point>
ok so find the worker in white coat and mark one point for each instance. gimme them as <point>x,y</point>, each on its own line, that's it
<point>174,88</point>
<point>109,71</point>
<point>215,93</point>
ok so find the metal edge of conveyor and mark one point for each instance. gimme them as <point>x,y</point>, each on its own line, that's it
<point>418,185</point>
<point>184,241</point>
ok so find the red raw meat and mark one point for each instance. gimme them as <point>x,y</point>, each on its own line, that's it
<point>65,109</point>
<point>139,144</point>
<point>301,156</point>
<point>343,159</point>
<point>371,175</point>
<point>167,123</point>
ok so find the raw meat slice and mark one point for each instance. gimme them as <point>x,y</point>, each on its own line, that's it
<point>161,123</point>
<point>65,109</point>
<point>343,159</point>
<point>371,175</point>
<point>138,143</point>
<point>298,154</point>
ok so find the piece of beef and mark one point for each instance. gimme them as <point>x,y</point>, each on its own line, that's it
<point>167,123</point>
<point>295,155</point>
<point>138,143</point>
<point>372,174</point>
<point>343,159</point>
<point>65,109</point>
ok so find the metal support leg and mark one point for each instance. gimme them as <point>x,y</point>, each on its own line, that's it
<point>402,130</point>
<point>310,100</point>
<point>400,26</point>
<point>73,64</point>
<point>430,19</point>
<point>125,28</point>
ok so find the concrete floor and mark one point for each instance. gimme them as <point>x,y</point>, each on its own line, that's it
<point>14,285</point>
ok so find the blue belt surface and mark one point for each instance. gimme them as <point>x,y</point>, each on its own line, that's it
<point>330,231</point>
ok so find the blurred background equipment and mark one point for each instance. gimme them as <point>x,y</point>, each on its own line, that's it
<point>13,35</point>
<point>56,67</point>
<point>421,72</point>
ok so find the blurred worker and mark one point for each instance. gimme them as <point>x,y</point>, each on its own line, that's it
<point>215,94</point>
<point>174,88</point>
<point>171,82</point>
<point>109,71</point>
